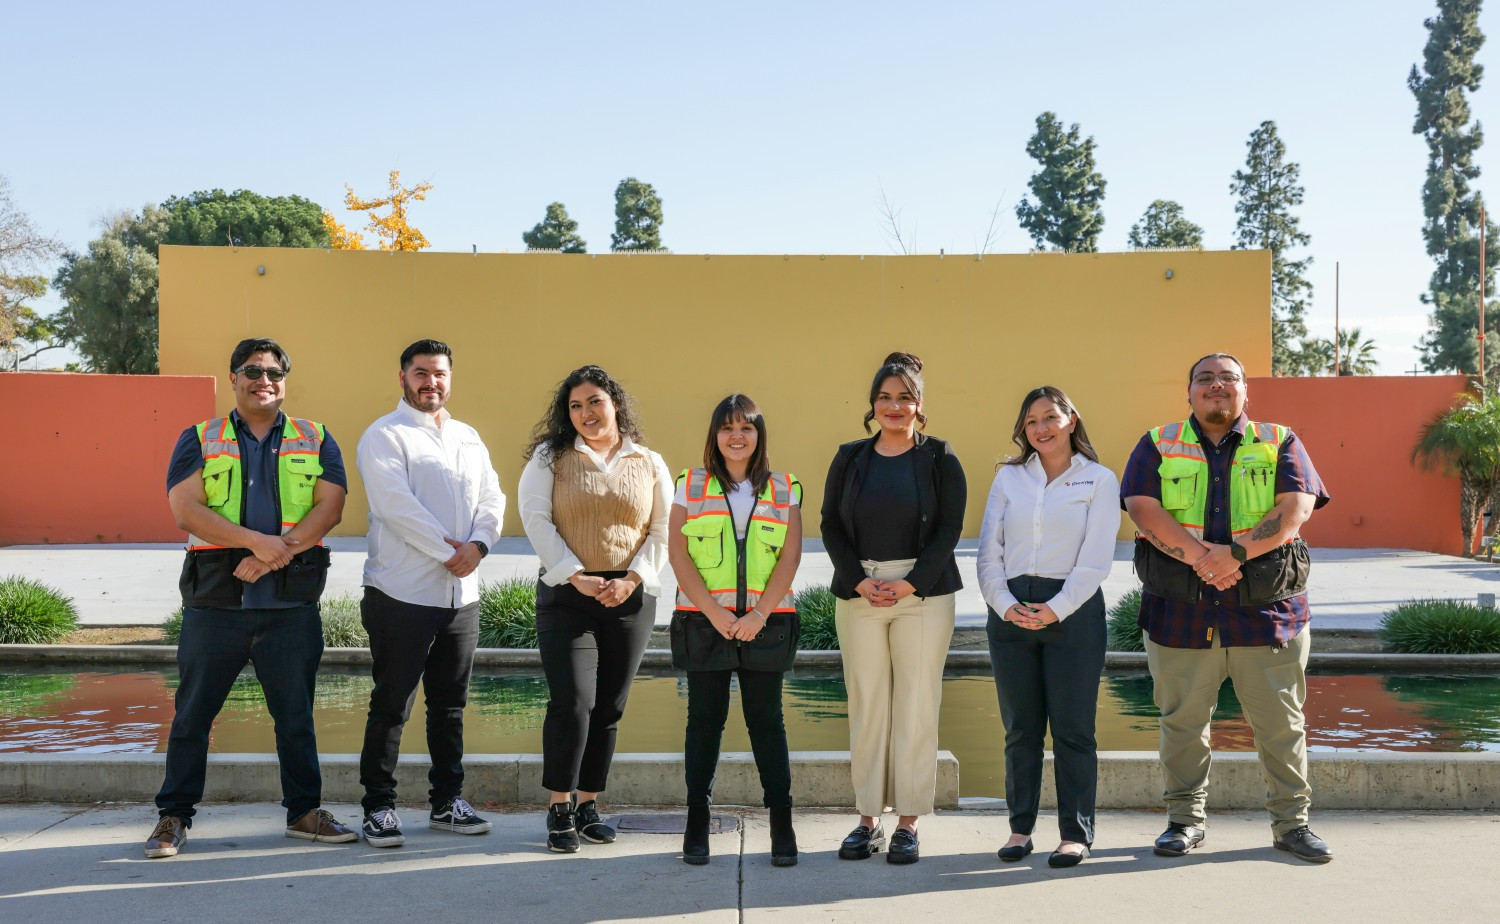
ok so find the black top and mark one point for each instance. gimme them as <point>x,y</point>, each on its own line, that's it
<point>886,514</point>
<point>941,495</point>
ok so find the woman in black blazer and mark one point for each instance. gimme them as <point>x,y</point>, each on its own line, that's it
<point>893,509</point>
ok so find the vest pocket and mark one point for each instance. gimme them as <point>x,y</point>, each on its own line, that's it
<point>208,578</point>
<point>217,475</point>
<point>774,648</point>
<point>302,580</point>
<point>1179,483</point>
<point>705,540</point>
<point>1252,491</point>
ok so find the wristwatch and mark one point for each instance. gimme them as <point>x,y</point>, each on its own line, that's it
<point>483,549</point>
<point>1238,551</point>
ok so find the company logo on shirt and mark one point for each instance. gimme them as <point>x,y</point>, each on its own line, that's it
<point>1069,484</point>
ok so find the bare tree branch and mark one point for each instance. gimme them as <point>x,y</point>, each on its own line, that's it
<point>890,218</point>
<point>992,234</point>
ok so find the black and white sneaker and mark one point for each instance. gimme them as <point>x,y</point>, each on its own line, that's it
<point>457,816</point>
<point>562,829</point>
<point>382,828</point>
<point>591,827</point>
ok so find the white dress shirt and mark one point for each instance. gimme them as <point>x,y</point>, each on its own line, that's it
<point>1063,530</point>
<point>426,483</point>
<point>558,561</point>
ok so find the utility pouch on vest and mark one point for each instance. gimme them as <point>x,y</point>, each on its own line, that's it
<point>208,578</point>
<point>1165,576</point>
<point>302,580</point>
<point>774,648</point>
<point>1275,576</point>
<point>698,646</point>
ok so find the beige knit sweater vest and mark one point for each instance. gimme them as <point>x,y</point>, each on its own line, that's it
<point>604,518</point>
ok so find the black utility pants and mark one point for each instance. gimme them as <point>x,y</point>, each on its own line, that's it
<point>708,707</point>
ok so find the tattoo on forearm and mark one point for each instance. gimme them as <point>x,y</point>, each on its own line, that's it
<point>1267,528</point>
<point>1176,553</point>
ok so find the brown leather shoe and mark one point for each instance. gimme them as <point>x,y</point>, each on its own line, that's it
<point>168,835</point>
<point>319,825</point>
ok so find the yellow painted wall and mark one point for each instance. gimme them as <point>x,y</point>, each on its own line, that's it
<point>802,335</point>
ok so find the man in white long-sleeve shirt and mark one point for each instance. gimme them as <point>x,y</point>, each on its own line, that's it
<point>435,509</point>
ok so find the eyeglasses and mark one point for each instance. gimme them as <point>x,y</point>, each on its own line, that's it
<point>253,373</point>
<point>1208,378</point>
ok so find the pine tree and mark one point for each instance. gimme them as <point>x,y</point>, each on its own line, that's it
<point>1449,73</point>
<point>1068,189</point>
<point>555,232</point>
<point>1268,189</point>
<point>1164,225</point>
<point>637,216</point>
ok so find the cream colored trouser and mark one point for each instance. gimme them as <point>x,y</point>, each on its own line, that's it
<point>1271,684</point>
<point>893,670</point>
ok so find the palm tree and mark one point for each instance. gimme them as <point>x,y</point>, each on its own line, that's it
<point>1465,440</point>
<point>1356,355</point>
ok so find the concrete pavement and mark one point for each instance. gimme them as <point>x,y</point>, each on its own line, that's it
<point>84,863</point>
<point>137,584</point>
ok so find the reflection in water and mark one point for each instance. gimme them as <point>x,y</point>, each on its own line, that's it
<point>125,710</point>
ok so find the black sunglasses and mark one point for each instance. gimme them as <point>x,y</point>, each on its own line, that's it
<point>255,372</point>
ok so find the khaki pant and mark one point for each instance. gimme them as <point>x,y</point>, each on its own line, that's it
<point>893,670</point>
<point>1271,684</point>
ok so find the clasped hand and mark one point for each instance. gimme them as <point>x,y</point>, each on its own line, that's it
<point>1031,615</point>
<point>465,558</point>
<point>743,628</point>
<point>1217,567</point>
<point>884,593</point>
<point>267,554</point>
<point>610,592</point>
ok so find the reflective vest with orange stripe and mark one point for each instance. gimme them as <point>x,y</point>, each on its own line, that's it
<point>711,542</point>
<point>1185,474</point>
<point>297,472</point>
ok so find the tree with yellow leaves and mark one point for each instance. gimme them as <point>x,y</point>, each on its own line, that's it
<point>392,228</point>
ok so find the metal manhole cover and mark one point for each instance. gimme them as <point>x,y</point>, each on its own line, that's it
<point>672,824</point>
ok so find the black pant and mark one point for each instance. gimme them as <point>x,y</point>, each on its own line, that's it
<point>216,644</point>
<point>590,654</point>
<point>411,643</point>
<point>708,707</point>
<point>1051,676</point>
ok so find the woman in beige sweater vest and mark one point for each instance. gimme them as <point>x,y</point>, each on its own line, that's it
<point>594,504</point>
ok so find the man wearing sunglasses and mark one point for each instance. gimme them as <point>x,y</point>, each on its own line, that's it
<point>256,491</point>
<point>1217,501</point>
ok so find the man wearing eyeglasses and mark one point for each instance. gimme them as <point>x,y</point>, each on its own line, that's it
<point>1217,501</point>
<point>256,491</point>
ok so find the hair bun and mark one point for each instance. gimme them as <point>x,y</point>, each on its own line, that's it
<point>899,358</point>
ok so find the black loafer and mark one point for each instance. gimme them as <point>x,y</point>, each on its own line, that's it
<point>903,847</point>
<point>862,843</point>
<point>1178,839</point>
<point>1304,845</point>
<point>1012,854</point>
<point>1060,860</point>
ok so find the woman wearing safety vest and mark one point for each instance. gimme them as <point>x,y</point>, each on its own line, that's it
<point>1046,545</point>
<point>892,514</point>
<point>735,543</point>
<point>594,505</point>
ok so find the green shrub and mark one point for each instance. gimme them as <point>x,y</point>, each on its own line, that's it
<point>1124,634</point>
<point>171,630</point>
<point>507,613</point>
<point>342,627</point>
<point>31,613</point>
<point>815,607</point>
<point>1441,627</point>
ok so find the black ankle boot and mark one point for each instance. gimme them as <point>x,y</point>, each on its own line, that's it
<point>783,838</point>
<point>695,836</point>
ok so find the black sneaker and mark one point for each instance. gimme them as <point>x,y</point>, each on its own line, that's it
<point>382,828</point>
<point>590,827</point>
<point>562,829</point>
<point>457,816</point>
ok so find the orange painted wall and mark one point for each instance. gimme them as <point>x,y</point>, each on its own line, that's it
<point>84,457</point>
<point>1359,431</point>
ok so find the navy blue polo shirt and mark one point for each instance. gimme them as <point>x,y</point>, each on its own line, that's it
<point>258,460</point>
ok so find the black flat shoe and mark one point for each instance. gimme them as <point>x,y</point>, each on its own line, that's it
<point>1178,839</point>
<point>862,843</point>
<point>1012,854</point>
<point>903,847</point>
<point>1304,845</point>
<point>1060,860</point>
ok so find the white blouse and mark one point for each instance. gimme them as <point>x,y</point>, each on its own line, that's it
<point>1063,530</point>
<point>558,561</point>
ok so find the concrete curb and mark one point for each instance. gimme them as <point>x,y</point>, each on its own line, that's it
<point>661,658</point>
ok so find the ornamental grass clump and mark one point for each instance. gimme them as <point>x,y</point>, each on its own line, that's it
<point>815,607</point>
<point>507,613</point>
<point>171,630</point>
<point>1124,634</point>
<point>342,627</point>
<point>1441,627</point>
<point>31,613</point>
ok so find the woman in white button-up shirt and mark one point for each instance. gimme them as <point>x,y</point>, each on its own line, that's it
<point>1045,547</point>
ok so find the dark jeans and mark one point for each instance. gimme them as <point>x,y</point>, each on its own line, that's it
<point>590,654</point>
<point>216,644</point>
<point>411,643</point>
<point>1050,676</point>
<point>708,707</point>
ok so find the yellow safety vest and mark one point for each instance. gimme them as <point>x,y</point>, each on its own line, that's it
<point>1185,473</point>
<point>712,543</point>
<point>297,471</point>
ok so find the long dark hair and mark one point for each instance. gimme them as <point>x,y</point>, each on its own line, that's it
<point>1079,438</point>
<point>906,367</point>
<point>737,407</point>
<point>554,433</point>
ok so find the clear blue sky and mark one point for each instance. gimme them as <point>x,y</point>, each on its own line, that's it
<point>767,128</point>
